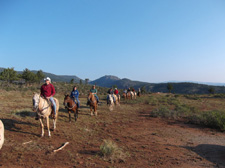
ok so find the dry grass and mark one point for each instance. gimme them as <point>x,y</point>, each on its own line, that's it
<point>111,152</point>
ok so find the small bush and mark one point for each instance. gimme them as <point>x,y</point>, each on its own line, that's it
<point>213,119</point>
<point>163,112</point>
<point>111,152</point>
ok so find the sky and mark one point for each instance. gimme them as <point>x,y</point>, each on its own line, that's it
<point>143,40</point>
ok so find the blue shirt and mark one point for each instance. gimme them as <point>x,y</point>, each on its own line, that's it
<point>74,93</point>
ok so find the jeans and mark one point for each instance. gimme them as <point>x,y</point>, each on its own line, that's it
<point>97,98</point>
<point>77,100</point>
<point>54,105</point>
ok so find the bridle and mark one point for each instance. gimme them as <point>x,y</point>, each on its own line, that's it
<point>36,103</point>
<point>66,104</point>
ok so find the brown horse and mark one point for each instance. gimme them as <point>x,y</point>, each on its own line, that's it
<point>117,97</point>
<point>124,95</point>
<point>71,106</point>
<point>139,94</point>
<point>92,101</point>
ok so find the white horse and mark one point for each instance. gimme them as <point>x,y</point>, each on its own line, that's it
<point>135,95</point>
<point>44,110</point>
<point>1,134</point>
<point>110,102</point>
<point>132,94</point>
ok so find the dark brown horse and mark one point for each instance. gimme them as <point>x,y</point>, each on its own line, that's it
<point>139,94</point>
<point>71,106</point>
<point>92,101</point>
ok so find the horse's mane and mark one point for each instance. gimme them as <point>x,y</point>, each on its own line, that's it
<point>91,96</point>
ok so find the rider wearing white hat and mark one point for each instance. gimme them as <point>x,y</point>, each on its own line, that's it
<point>48,91</point>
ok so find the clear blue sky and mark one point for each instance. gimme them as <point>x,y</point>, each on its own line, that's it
<point>145,40</point>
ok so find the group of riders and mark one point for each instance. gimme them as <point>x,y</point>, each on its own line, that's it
<point>48,91</point>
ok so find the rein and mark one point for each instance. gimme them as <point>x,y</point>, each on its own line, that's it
<point>69,108</point>
<point>43,108</point>
<point>90,99</point>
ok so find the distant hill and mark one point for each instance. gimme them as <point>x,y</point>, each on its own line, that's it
<point>110,80</point>
<point>55,78</point>
<point>179,88</point>
<point>184,88</point>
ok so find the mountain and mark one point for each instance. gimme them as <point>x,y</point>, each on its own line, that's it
<point>105,81</point>
<point>180,88</point>
<point>55,78</point>
<point>109,81</point>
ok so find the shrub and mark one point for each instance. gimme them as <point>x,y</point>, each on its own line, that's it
<point>213,119</point>
<point>111,152</point>
<point>163,112</point>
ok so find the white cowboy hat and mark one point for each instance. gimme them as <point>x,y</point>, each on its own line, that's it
<point>47,79</point>
<point>116,88</point>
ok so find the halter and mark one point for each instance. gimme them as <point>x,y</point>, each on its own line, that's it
<point>66,106</point>
<point>39,110</point>
<point>93,98</point>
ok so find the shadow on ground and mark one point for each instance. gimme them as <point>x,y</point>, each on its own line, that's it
<point>11,125</point>
<point>213,153</point>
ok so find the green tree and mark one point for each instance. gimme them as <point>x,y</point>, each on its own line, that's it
<point>29,76</point>
<point>143,90</point>
<point>40,75</point>
<point>9,75</point>
<point>72,81</point>
<point>211,90</point>
<point>114,86</point>
<point>86,81</point>
<point>169,87</point>
<point>81,82</point>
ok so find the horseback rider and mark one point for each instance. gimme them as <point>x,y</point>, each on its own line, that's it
<point>48,91</point>
<point>116,92</point>
<point>74,95</point>
<point>125,91</point>
<point>110,91</point>
<point>94,91</point>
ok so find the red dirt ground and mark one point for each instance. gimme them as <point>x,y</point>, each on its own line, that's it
<point>149,142</point>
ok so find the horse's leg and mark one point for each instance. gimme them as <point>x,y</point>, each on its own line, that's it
<point>95,110</point>
<point>91,111</point>
<point>47,119</point>
<point>42,127</point>
<point>69,116</point>
<point>54,124</point>
<point>76,114</point>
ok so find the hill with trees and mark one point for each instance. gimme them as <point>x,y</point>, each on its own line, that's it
<point>108,81</point>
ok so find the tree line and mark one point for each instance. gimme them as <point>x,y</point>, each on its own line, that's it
<point>11,75</point>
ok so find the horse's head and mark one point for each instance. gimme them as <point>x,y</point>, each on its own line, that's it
<point>66,100</point>
<point>36,99</point>
<point>90,95</point>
